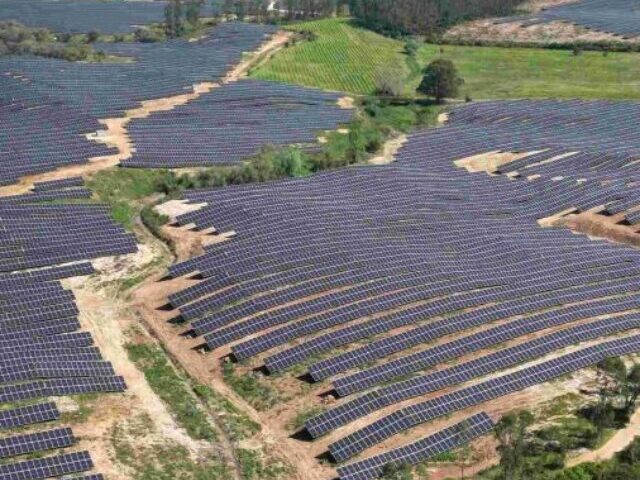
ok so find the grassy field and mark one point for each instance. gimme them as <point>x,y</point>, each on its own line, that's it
<point>341,58</point>
<point>493,72</point>
<point>346,58</point>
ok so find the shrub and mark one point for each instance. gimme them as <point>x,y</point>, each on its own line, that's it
<point>411,47</point>
<point>146,35</point>
<point>93,36</point>
<point>152,219</point>
<point>17,39</point>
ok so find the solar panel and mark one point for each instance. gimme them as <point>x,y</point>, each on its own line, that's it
<point>35,442</point>
<point>42,468</point>
<point>18,417</point>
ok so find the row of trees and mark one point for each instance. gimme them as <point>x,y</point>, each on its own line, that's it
<point>396,17</point>
<point>181,16</point>
<point>401,17</point>
<point>18,39</point>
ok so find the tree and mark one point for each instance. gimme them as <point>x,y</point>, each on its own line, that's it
<point>217,7</point>
<point>173,21</point>
<point>395,471</point>
<point>440,80</point>
<point>192,13</point>
<point>465,453</point>
<point>511,432</point>
<point>631,389</point>
<point>228,7</point>
<point>611,374</point>
<point>240,9</point>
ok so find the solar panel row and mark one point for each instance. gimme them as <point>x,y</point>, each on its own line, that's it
<point>424,263</point>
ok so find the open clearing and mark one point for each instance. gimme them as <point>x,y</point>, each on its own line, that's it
<point>346,58</point>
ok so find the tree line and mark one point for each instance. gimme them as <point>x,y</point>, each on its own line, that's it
<point>394,17</point>
<point>401,17</point>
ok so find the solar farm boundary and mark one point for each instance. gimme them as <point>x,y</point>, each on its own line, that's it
<point>116,135</point>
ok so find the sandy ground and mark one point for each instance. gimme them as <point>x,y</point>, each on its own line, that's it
<point>489,162</point>
<point>115,133</point>
<point>108,318</point>
<point>389,151</point>
<point>602,227</point>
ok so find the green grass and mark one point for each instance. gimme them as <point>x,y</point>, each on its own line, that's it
<point>235,423</point>
<point>495,72</point>
<point>253,467</point>
<point>257,393</point>
<point>160,461</point>
<point>173,389</point>
<point>341,57</point>
<point>346,58</point>
<point>123,189</point>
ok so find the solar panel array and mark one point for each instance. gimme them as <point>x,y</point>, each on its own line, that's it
<point>232,123</point>
<point>47,106</point>
<point>414,265</point>
<point>81,16</point>
<point>43,353</point>
<point>33,234</point>
<point>443,441</point>
<point>621,17</point>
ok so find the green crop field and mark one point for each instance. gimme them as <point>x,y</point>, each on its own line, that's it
<point>346,58</point>
<point>341,58</point>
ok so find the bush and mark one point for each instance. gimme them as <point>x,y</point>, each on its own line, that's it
<point>17,39</point>
<point>411,47</point>
<point>74,53</point>
<point>93,36</point>
<point>146,35</point>
<point>153,220</point>
<point>571,434</point>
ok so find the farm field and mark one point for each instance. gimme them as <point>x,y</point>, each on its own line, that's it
<point>489,72</point>
<point>341,57</point>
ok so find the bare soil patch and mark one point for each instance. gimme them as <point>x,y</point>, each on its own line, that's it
<point>601,227</point>
<point>108,318</point>
<point>489,162</point>
<point>346,103</point>
<point>389,151</point>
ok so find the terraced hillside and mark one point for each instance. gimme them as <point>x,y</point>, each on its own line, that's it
<point>326,322</point>
<point>418,290</point>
